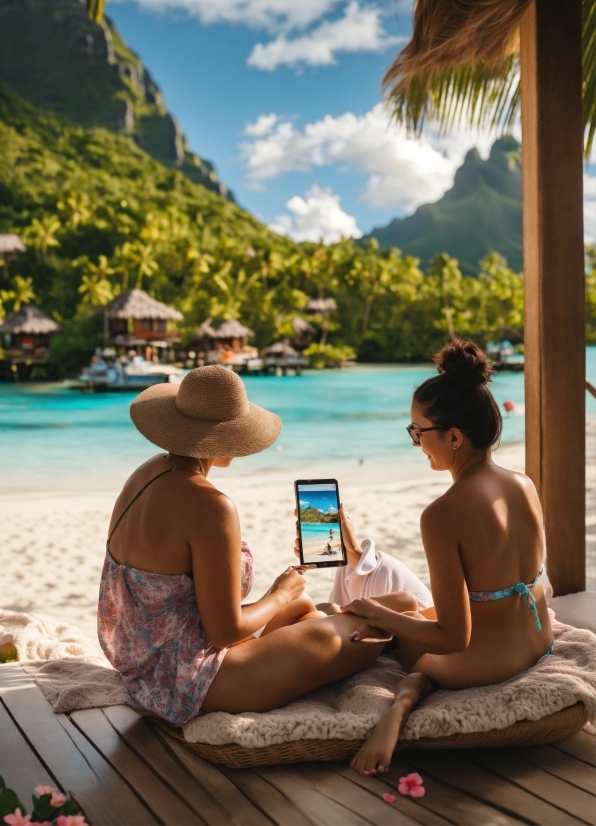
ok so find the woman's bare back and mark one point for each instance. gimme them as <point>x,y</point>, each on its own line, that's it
<point>494,515</point>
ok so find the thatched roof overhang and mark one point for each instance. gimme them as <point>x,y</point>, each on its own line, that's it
<point>29,321</point>
<point>137,304</point>
<point>204,331</point>
<point>302,327</point>
<point>281,348</point>
<point>233,329</point>
<point>11,244</point>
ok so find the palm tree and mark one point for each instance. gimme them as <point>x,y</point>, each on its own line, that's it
<point>76,208</point>
<point>42,234</point>
<point>482,90</point>
<point>22,292</point>
<point>136,258</point>
<point>95,287</point>
<point>375,272</point>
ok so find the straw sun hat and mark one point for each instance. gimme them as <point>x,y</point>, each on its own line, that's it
<point>207,415</point>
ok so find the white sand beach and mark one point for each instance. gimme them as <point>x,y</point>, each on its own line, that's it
<point>53,545</point>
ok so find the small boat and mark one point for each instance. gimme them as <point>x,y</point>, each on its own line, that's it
<point>124,374</point>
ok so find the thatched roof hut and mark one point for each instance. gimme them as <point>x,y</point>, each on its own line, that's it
<point>11,244</point>
<point>321,305</point>
<point>281,349</point>
<point>204,337</point>
<point>233,329</point>
<point>29,321</point>
<point>137,304</point>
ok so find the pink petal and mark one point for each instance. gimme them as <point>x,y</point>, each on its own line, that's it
<point>58,799</point>
<point>388,798</point>
<point>17,818</point>
<point>403,789</point>
<point>45,790</point>
<point>417,791</point>
<point>415,779</point>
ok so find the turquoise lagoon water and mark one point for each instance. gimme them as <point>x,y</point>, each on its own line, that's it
<point>52,438</point>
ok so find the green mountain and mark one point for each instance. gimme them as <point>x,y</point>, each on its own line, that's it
<point>52,55</point>
<point>482,213</point>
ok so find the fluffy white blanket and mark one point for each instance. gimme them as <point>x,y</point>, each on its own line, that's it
<point>73,674</point>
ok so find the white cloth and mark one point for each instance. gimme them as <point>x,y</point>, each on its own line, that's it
<point>377,574</point>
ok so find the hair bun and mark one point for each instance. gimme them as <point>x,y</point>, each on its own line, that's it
<point>463,362</point>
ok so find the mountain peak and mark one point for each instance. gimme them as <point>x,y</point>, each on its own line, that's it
<point>54,56</point>
<point>481,213</point>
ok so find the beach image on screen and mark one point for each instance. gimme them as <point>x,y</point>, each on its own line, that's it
<point>319,523</point>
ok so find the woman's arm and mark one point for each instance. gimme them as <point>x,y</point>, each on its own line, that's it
<point>216,563</point>
<point>451,631</point>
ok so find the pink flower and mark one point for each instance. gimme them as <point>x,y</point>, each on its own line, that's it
<point>71,820</point>
<point>17,819</point>
<point>411,785</point>
<point>45,790</point>
<point>58,799</point>
<point>388,798</point>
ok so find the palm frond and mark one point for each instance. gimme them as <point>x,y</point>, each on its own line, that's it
<point>481,95</point>
<point>95,10</point>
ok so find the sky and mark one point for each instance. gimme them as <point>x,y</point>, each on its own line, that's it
<point>319,498</point>
<point>284,97</point>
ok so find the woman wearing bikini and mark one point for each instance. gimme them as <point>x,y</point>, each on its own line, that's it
<point>484,546</point>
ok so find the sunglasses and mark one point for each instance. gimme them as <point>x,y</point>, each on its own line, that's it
<point>416,431</point>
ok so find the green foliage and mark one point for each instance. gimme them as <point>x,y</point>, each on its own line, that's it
<point>100,216</point>
<point>328,355</point>
<point>313,515</point>
<point>8,800</point>
<point>591,294</point>
<point>74,347</point>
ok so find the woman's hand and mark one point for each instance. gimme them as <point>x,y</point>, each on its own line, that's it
<point>290,584</point>
<point>370,609</point>
<point>350,540</point>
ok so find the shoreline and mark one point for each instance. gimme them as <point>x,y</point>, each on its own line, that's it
<point>54,541</point>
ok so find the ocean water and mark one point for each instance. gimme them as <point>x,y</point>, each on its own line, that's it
<point>52,438</point>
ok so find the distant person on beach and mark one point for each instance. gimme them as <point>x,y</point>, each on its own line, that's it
<point>170,616</point>
<point>484,546</point>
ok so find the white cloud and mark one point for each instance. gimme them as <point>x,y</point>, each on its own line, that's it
<point>359,30</point>
<point>275,15</point>
<point>317,216</point>
<point>401,172</point>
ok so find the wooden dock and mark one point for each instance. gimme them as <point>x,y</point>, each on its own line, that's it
<point>122,770</point>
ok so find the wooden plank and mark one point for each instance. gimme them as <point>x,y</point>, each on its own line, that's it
<point>128,808</point>
<point>446,802</point>
<point>266,797</point>
<point>141,736</point>
<point>19,765</point>
<point>52,744</point>
<point>238,808</point>
<point>554,328</point>
<point>473,779</point>
<point>317,807</point>
<point>163,802</point>
<point>507,764</point>
<point>353,796</point>
<point>563,766</point>
<point>581,745</point>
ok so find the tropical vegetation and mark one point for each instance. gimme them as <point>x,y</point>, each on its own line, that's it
<point>100,216</point>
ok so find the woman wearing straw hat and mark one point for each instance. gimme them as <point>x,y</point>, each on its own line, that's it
<point>170,617</point>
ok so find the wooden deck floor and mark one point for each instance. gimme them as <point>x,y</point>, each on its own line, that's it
<point>123,771</point>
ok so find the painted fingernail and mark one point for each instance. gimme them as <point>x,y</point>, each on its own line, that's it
<point>369,771</point>
<point>355,636</point>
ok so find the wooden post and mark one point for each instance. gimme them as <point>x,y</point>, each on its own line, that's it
<point>552,135</point>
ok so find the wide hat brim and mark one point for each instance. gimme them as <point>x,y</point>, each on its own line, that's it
<point>155,415</point>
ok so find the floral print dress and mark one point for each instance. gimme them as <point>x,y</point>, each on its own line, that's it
<point>150,630</point>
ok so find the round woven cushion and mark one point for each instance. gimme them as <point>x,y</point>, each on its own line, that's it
<point>549,729</point>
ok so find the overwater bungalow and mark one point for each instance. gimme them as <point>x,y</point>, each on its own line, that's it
<point>282,357</point>
<point>10,246</point>
<point>135,321</point>
<point>233,334</point>
<point>26,335</point>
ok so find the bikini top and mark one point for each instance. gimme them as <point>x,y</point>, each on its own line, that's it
<point>519,588</point>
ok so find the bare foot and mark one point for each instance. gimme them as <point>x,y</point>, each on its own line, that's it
<point>368,633</point>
